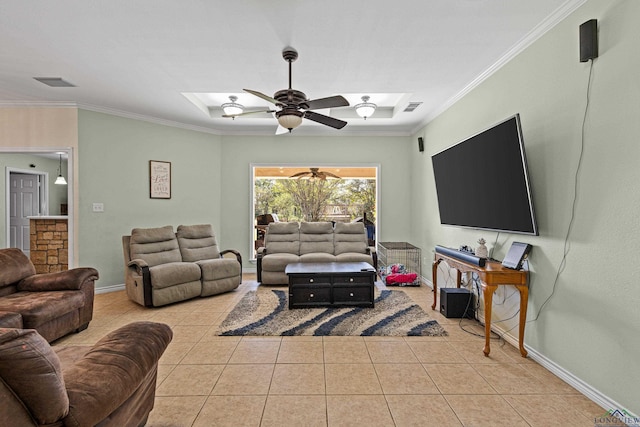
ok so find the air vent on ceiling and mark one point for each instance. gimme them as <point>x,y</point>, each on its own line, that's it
<point>54,82</point>
<point>412,106</point>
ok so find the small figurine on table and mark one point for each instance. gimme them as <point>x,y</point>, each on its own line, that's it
<point>482,251</point>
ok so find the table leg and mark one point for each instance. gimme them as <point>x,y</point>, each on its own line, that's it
<point>487,293</point>
<point>434,278</point>
<point>524,296</point>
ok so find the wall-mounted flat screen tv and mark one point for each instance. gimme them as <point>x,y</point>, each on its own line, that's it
<point>483,182</point>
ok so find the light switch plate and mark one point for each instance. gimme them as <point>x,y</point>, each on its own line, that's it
<point>98,207</point>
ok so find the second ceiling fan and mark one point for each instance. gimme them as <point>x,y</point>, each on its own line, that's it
<point>294,105</point>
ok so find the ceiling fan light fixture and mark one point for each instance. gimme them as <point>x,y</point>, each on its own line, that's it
<point>365,108</point>
<point>232,108</point>
<point>289,119</point>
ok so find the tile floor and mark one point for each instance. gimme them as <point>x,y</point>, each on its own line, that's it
<point>207,380</point>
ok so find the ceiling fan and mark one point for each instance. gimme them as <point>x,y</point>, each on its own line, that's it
<point>294,104</point>
<point>314,173</point>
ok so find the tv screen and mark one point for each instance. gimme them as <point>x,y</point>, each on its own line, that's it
<point>482,182</point>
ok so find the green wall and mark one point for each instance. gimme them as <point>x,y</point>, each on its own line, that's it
<point>211,182</point>
<point>114,155</point>
<point>590,326</point>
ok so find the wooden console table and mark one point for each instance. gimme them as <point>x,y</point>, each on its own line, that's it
<point>492,275</point>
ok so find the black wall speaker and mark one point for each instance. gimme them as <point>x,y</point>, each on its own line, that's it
<point>420,144</point>
<point>589,40</point>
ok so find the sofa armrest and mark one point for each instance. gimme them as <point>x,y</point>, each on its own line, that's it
<point>260,253</point>
<point>112,371</point>
<point>371,250</point>
<point>60,281</point>
<point>138,264</point>
<point>234,252</point>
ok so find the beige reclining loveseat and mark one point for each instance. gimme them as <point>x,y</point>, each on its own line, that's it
<point>163,267</point>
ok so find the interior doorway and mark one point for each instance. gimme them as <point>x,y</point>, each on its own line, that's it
<point>27,197</point>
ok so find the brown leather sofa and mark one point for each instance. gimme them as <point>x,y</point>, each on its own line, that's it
<point>54,304</point>
<point>109,384</point>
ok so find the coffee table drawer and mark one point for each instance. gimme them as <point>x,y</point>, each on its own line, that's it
<point>339,280</point>
<point>353,295</point>
<point>309,296</point>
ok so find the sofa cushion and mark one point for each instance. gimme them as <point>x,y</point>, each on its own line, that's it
<point>282,237</point>
<point>38,308</point>
<point>14,266</point>
<point>174,273</point>
<point>197,242</point>
<point>32,370</point>
<point>354,257</point>
<point>155,245</point>
<point>221,268</point>
<point>10,320</point>
<point>278,262</point>
<point>318,257</point>
<point>350,237</point>
<point>316,237</point>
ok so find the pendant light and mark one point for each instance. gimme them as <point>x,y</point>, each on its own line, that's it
<point>232,108</point>
<point>60,179</point>
<point>365,108</point>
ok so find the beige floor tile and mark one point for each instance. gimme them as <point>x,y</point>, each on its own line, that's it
<point>404,378</point>
<point>489,411</point>
<point>551,383</point>
<point>358,411</point>
<point>188,333</point>
<point>458,379</point>
<point>352,379</point>
<point>175,411</point>
<point>472,352</point>
<point>201,318</point>
<point>510,378</point>
<point>435,352</point>
<point>298,378</point>
<point>255,352</point>
<point>212,335</point>
<point>244,380</point>
<point>175,352</point>
<point>170,318</point>
<point>390,352</point>
<point>295,411</point>
<point>231,411</point>
<point>210,352</point>
<point>190,380</point>
<point>345,351</point>
<point>301,352</point>
<point>163,372</point>
<point>421,410</point>
<point>548,410</point>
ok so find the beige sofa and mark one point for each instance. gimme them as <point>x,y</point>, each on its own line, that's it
<point>54,304</point>
<point>111,383</point>
<point>163,267</point>
<point>292,242</point>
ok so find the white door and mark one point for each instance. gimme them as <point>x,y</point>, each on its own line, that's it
<point>24,201</point>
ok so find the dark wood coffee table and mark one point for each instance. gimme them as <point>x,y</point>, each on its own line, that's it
<point>331,284</point>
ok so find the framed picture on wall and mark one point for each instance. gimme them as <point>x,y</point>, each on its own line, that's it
<point>159,179</point>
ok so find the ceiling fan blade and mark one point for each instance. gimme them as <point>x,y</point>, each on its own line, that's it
<point>299,174</point>
<point>330,175</point>
<point>244,113</point>
<point>262,95</point>
<point>325,120</point>
<point>330,102</point>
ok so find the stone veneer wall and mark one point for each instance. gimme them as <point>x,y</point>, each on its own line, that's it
<point>49,245</point>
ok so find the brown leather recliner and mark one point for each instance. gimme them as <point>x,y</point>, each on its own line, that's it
<point>54,304</point>
<point>110,384</point>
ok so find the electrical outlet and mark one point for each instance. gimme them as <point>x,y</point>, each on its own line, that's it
<point>98,207</point>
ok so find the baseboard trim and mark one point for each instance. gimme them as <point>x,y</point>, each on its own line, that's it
<point>107,289</point>
<point>589,391</point>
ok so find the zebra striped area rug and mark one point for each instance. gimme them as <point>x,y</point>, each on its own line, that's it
<point>265,312</point>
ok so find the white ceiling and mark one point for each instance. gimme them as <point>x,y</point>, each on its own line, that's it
<point>136,58</point>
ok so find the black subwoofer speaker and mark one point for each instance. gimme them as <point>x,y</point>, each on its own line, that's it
<point>456,303</point>
<point>589,40</point>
